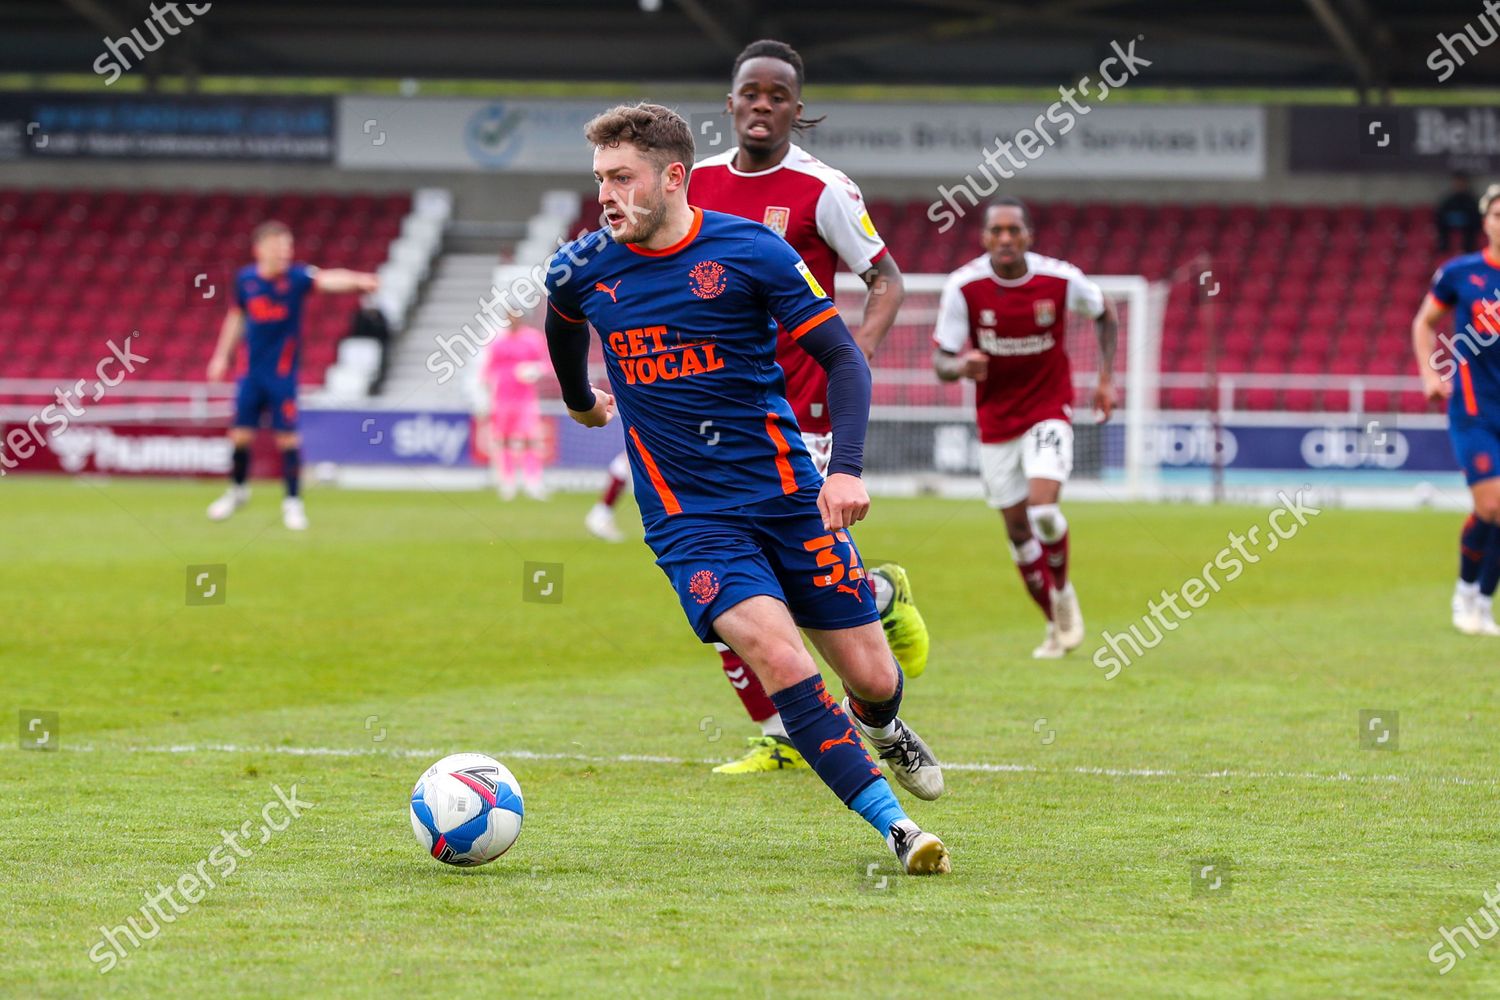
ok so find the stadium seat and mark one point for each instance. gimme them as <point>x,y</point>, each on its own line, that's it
<point>125,259</point>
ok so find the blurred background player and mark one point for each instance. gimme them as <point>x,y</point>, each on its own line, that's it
<point>514,363</point>
<point>1002,322</point>
<point>1458,217</point>
<point>818,210</point>
<point>1469,288</point>
<point>267,313</point>
<point>600,520</point>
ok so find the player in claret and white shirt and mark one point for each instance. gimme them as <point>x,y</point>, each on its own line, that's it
<point>769,179</point>
<point>1002,322</point>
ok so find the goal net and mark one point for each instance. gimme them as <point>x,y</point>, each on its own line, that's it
<point>922,431</point>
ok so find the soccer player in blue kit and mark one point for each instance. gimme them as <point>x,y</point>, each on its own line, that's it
<point>753,540</point>
<point>1469,288</point>
<point>267,312</point>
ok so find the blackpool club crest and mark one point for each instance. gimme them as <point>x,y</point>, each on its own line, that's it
<point>1045,311</point>
<point>777,217</point>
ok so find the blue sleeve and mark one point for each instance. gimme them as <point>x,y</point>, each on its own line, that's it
<point>792,295</point>
<point>833,347</point>
<point>568,347</point>
<point>562,285</point>
<point>239,289</point>
<point>302,278</point>
<point>1445,285</point>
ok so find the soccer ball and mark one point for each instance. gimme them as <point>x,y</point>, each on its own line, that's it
<point>466,809</point>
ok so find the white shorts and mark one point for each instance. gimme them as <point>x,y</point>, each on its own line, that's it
<point>821,448</point>
<point>1044,452</point>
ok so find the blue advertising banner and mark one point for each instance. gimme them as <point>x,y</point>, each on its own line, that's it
<point>1315,446</point>
<point>169,127</point>
<point>437,438</point>
<point>446,438</point>
<point>1184,445</point>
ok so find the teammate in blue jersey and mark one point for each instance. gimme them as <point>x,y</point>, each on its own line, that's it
<point>754,541</point>
<point>1466,373</point>
<point>267,313</point>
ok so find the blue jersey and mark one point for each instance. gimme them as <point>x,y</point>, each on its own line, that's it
<point>273,319</point>
<point>691,355</point>
<point>1470,286</point>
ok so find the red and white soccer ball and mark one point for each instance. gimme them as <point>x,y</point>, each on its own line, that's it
<point>466,809</point>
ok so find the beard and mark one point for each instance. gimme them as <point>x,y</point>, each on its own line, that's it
<point>643,218</point>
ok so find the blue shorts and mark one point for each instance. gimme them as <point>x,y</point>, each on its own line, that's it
<point>258,395</point>
<point>1476,444</point>
<point>776,547</point>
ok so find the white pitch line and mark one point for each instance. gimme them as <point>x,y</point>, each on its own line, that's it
<point>630,758</point>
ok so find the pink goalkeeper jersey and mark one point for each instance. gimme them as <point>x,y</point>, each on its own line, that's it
<point>521,346</point>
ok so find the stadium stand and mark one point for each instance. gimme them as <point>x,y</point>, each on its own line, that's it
<point>80,267</point>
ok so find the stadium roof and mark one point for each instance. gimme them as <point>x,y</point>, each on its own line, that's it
<point>1372,45</point>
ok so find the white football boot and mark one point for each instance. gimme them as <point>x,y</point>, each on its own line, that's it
<point>1069,618</point>
<point>919,853</point>
<point>1485,613</point>
<point>909,758</point>
<point>233,499</point>
<point>293,515</point>
<point>1051,648</point>
<point>1466,611</point>
<point>601,523</point>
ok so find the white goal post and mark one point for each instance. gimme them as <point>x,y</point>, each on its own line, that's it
<point>922,435</point>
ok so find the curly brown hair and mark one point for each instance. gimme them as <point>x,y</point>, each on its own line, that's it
<point>657,131</point>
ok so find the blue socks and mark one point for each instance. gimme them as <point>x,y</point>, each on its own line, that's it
<point>1473,548</point>
<point>878,805</point>
<point>291,469</point>
<point>1489,569</point>
<point>826,737</point>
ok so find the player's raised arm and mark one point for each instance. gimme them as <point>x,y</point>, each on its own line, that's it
<point>1424,341</point>
<point>230,332</point>
<point>340,279</point>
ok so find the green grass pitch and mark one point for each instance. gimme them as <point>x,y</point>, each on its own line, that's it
<point>1079,809</point>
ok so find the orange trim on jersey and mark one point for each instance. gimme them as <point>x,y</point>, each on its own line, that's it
<point>553,306</point>
<point>1438,302</point>
<point>1490,258</point>
<point>773,430</point>
<point>668,498</point>
<point>692,234</point>
<point>1471,405</point>
<point>288,351</point>
<point>809,324</point>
